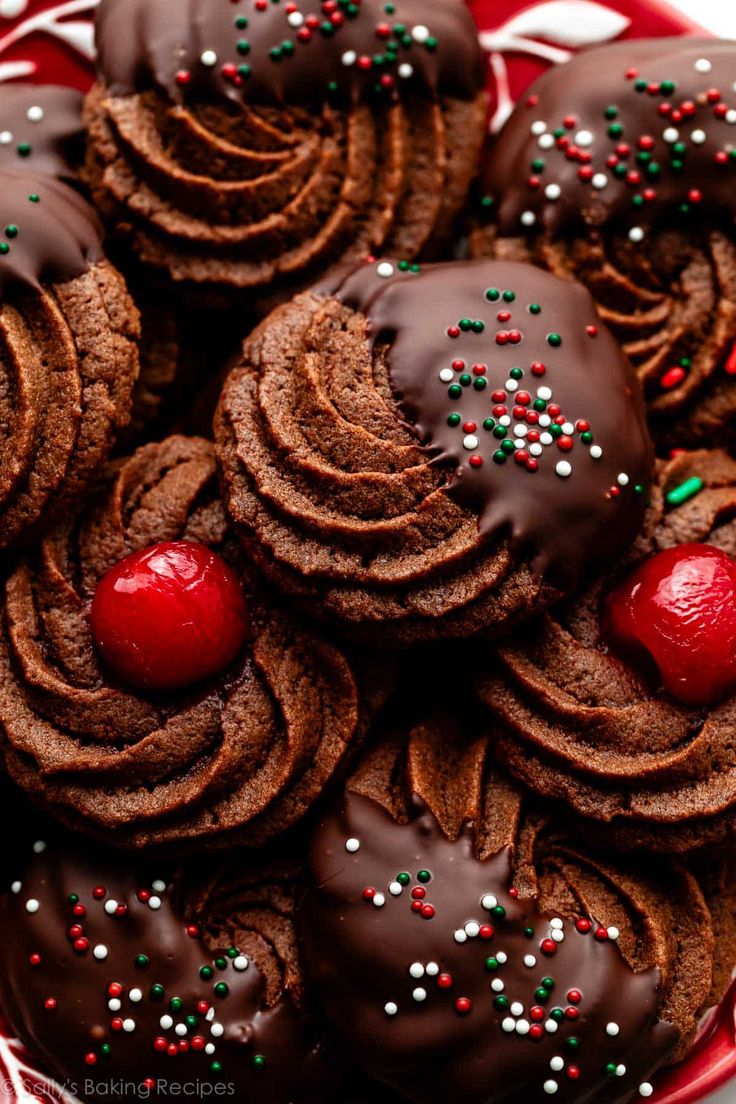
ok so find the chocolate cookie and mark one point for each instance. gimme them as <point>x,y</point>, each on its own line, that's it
<point>68,353</point>
<point>466,947</point>
<point>430,453</point>
<point>617,170</point>
<point>591,726</point>
<point>146,697</point>
<point>153,973</point>
<point>41,130</point>
<point>236,150</point>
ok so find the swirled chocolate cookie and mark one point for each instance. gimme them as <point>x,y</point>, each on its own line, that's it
<point>466,947</point>
<point>147,696</point>
<point>68,352</point>
<point>148,974</point>
<point>621,704</point>
<point>41,130</point>
<point>248,147</point>
<point>618,170</point>
<point>427,453</point>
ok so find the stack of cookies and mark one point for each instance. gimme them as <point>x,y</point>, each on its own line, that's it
<point>368,548</point>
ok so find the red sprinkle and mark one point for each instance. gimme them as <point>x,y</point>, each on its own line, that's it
<point>419,893</point>
<point>463,1005</point>
<point>730,365</point>
<point>475,462</point>
<point>574,996</point>
<point>50,1004</point>
<point>34,959</point>
<point>428,910</point>
<point>486,931</point>
<point>548,947</point>
<point>444,981</point>
<point>672,378</point>
<point>583,925</point>
<point>601,934</point>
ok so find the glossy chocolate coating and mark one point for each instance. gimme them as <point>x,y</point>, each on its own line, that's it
<point>41,129</point>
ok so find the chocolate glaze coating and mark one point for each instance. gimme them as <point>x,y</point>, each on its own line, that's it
<point>147,43</point>
<point>41,129</point>
<point>236,905</point>
<point>607,99</point>
<point>359,958</point>
<point>51,240</point>
<point>563,522</point>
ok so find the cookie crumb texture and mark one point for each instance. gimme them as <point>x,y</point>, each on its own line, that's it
<point>68,353</point>
<point>239,757</point>
<point>472,949</point>
<point>232,150</point>
<point>578,723</point>
<point>149,972</point>
<point>424,452</point>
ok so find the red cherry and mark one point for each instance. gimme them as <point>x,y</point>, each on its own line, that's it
<point>679,610</point>
<point>169,616</point>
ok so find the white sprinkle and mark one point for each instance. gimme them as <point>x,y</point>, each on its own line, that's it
<point>396,889</point>
<point>702,65</point>
<point>512,385</point>
<point>32,905</point>
<point>596,452</point>
<point>545,420</point>
<point>385,270</point>
<point>538,127</point>
<point>536,449</point>
<point>472,928</point>
<point>528,218</point>
<point>210,1048</point>
<point>508,1025</point>
<point>349,57</point>
<point>210,1015</point>
<point>521,430</point>
<point>497,985</point>
<point>352,846</point>
<point>128,1025</point>
<point>432,969</point>
<point>390,1008</point>
<point>111,907</point>
<point>551,1026</point>
<point>135,995</point>
<point>697,137</point>
<point>154,903</point>
<point>621,1070</point>
<point>419,994</point>
<point>645,1089</point>
<point>612,1029</point>
<point>553,191</point>
<point>420,33</point>
<point>34,114</point>
<point>296,19</point>
<point>6,137</point>
<point>557,935</point>
<point>15,887</point>
<point>584,138</point>
<point>240,963</point>
<point>636,234</point>
<point>544,393</point>
<point>406,70</point>
<point>181,1029</point>
<point>100,952</point>
<point>623,479</point>
<point>557,923</point>
<point>600,180</point>
<point>557,1063</point>
<point>568,428</point>
<point>416,970</point>
<point>460,936</point>
<point>379,900</point>
<point>530,961</point>
<point>516,1008</point>
<point>502,957</point>
<point>546,438</point>
<point>613,933</point>
<point>564,470</point>
<point>159,886</point>
<point>519,444</point>
<point>550,1087</point>
<point>208,58</point>
<point>447,375</point>
<point>114,1004</point>
<point>217,1030</point>
<point>670,134</point>
<point>470,442</point>
<point>522,1027</point>
<point>166,1022</point>
<point>39,847</point>
<point>546,141</point>
<point>504,420</point>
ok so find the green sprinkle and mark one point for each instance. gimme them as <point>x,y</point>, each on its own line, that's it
<point>500,432</point>
<point>685,491</point>
<point>206,973</point>
<point>454,391</point>
<point>258,1060</point>
<point>489,424</point>
<point>509,296</point>
<point>465,324</point>
<point>541,995</point>
<point>501,1003</point>
<point>610,1068</point>
<point>554,340</point>
<point>557,1014</point>
<point>534,308</point>
<point>403,878</point>
<point>243,46</point>
<point>221,963</point>
<point>24,149</point>
<point>454,420</point>
<point>487,201</point>
<point>540,404</point>
<point>216,1067</point>
<point>157,992</point>
<point>508,447</point>
<point>222,989</point>
<point>491,964</point>
<point>548,983</point>
<point>105,1049</point>
<point>587,437</point>
<point>73,898</point>
<point>34,197</point>
<point>466,379</point>
<point>640,85</point>
<point>611,112</point>
<point>4,249</point>
<point>667,87</point>
<point>241,22</point>
<point>175,1004</point>
<point>499,457</point>
<point>191,1021</point>
<point>141,961</point>
<point>573,1042</point>
<point>11,231</point>
<point>615,130</point>
<point>516,373</point>
<point>529,933</point>
<point>232,952</point>
<point>478,326</point>
<point>424,876</point>
<point>493,295</point>
<point>481,383</point>
<point>537,165</point>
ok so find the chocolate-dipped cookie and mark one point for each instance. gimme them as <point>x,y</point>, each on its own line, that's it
<point>41,130</point>
<point>621,703</point>
<point>68,353</point>
<point>147,695</point>
<point>147,973</point>
<point>427,453</point>
<point>249,148</point>
<point>466,947</point>
<point>618,170</point>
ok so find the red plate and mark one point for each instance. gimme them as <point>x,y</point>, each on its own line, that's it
<point>52,42</point>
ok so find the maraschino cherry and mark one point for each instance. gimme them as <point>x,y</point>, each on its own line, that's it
<point>679,609</point>
<point>169,617</point>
